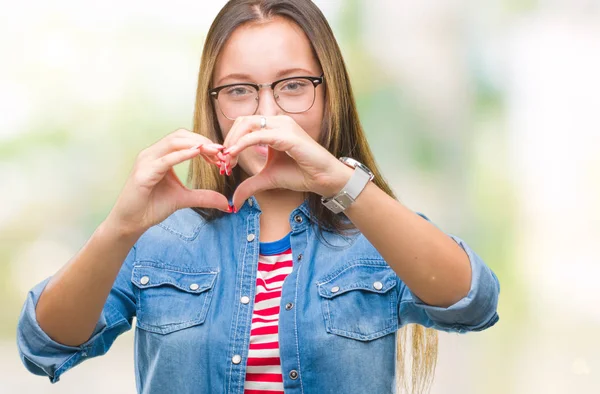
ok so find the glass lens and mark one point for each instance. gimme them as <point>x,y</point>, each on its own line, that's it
<point>238,100</point>
<point>295,95</point>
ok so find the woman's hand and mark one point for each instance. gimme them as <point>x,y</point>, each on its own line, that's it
<point>153,191</point>
<point>295,161</point>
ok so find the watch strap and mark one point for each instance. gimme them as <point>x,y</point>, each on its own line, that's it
<point>349,192</point>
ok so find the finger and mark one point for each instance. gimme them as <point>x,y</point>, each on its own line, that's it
<point>179,140</point>
<point>211,149</point>
<point>274,138</point>
<point>163,164</point>
<point>210,159</point>
<point>202,198</point>
<point>220,156</point>
<point>232,131</point>
<point>250,187</point>
<point>244,125</point>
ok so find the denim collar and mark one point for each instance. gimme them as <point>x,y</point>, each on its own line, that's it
<point>251,204</point>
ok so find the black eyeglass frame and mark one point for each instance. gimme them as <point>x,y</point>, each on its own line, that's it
<point>316,81</point>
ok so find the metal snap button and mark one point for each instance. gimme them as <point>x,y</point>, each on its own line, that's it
<point>250,202</point>
<point>236,359</point>
<point>245,299</point>
<point>293,374</point>
<point>335,289</point>
<point>194,286</point>
<point>250,237</point>
<point>378,285</point>
<point>144,280</point>
<point>298,219</point>
<point>289,306</point>
<point>300,257</point>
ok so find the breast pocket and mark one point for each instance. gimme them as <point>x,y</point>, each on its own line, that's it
<point>171,299</point>
<point>360,300</point>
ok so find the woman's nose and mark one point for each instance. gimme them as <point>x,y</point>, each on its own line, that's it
<point>267,105</point>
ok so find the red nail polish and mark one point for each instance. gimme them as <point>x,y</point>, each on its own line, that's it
<point>229,209</point>
<point>220,171</point>
<point>225,152</point>
<point>234,209</point>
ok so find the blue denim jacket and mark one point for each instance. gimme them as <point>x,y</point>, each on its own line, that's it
<point>341,307</point>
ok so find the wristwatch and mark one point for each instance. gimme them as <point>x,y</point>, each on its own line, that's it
<point>349,193</point>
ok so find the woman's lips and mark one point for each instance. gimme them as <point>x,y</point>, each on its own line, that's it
<point>261,149</point>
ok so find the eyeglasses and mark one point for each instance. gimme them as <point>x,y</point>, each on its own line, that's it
<point>293,95</point>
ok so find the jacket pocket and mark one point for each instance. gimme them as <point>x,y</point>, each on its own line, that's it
<point>170,299</point>
<point>360,300</point>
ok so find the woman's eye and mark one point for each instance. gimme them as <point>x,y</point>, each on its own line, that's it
<point>293,86</point>
<point>237,91</point>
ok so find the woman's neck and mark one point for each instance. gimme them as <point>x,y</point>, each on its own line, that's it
<point>277,202</point>
<point>276,206</point>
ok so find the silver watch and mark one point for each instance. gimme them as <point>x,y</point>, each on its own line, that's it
<point>349,193</point>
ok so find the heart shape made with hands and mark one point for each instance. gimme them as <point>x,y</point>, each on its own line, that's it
<point>263,180</point>
<point>212,153</point>
<point>294,160</point>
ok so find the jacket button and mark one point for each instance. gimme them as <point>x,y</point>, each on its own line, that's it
<point>289,306</point>
<point>335,289</point>
<point>194,286</point>
<point>298,219</point>
<point>378,285</point>
<point>144,280</point>
<point>245,299</point>
<point>293,374</point>
<point>300,257</point>
<point>250,237</point>
<point>236,359</point>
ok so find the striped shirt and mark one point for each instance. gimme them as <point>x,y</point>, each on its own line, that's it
<point>263,370</point>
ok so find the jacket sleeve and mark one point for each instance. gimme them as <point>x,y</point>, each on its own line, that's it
<point>41,355</point>
<point>475,312</point>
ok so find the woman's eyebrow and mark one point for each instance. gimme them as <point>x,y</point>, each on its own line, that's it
<point>279,74</point>
<point>235,77</point>
<point>288,71</point>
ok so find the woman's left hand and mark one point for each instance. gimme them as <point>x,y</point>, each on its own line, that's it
<point>295,161</point>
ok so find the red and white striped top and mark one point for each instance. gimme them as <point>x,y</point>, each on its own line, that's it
<point>263,369</point>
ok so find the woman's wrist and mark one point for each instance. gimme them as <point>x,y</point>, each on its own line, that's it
<point>120,232</point>
<point>335,181</point>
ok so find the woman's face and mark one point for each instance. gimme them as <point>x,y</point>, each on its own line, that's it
<point>263,53</point>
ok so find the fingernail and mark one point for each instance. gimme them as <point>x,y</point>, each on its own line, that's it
<point>229,209</point>
<point>225,152</point>
<point>196,147</point>
<point>221,171</point>
<point>227,170</point>
<point>234,209</point>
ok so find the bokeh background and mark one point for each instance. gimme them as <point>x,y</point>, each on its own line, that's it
<point>483,115</point>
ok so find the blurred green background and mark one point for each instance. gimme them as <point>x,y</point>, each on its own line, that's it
<point>482,115</point>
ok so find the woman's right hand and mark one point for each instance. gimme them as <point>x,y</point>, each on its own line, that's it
<point>153,191</point>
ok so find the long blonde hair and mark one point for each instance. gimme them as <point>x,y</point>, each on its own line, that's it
<point>341,134</point>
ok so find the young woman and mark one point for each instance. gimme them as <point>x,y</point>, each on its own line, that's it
<point>289,265</point>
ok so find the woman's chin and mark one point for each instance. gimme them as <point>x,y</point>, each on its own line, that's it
<point>252,165</point>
